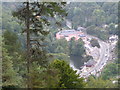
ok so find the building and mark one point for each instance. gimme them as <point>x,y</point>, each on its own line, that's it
<point>68,34</point>
<point>90,63</point>
<point>113,38</point>
<point>80,28</point>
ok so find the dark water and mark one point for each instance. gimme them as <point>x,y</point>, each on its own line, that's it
<point>77,61</point>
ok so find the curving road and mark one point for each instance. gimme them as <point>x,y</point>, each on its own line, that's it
<point>103,58</point>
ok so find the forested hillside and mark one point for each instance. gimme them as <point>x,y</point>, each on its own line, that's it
<point>99,18</point>
<point>43,62</point>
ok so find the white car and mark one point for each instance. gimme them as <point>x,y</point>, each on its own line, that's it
<point>106,59</point>
<point>105,55</point>
<point>104,64</point>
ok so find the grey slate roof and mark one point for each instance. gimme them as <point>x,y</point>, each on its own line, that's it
<point>91,62</point>
<point>67,32</point>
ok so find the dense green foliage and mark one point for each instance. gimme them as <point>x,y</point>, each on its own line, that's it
<point>56,73</point>
<point>44,77</point>
<point>100,83</point>
<point>72,47</point>
<point>94,16</point>
<point>58,46</point>
<point>98,32</point>
<point>13,65</point>
<point>68,77</point>
<point>62,49</point>
<point>76,47</point>
<point>12,44</point>
<point>8,21</point>
<point>110,70</point>
<point>10,76</point>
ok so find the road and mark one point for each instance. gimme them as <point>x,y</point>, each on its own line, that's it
<point>103,58</point>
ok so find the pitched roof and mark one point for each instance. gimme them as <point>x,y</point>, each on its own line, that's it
<point>91,62</point>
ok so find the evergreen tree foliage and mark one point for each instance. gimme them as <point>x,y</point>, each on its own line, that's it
<point>44,77</point>
<point>10,77</point>
<point>36,16</point>
<point>100,83</point>
<point>68,77</point>
<point>76,47</point>
<point>12,43</point>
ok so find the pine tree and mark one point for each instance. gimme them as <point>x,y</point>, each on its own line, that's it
<point>10,77</point>
<point>12,43</point>
<point>36,16</point>
<point>68,77</point>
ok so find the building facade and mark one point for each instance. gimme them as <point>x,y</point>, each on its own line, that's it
<point>68,34</point>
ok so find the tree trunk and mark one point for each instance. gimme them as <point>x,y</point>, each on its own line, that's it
<point>28,47</point>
